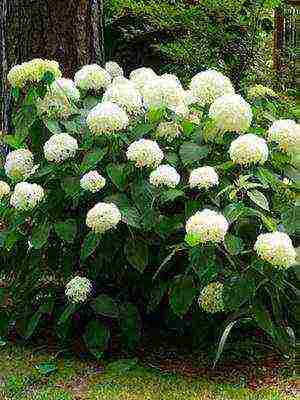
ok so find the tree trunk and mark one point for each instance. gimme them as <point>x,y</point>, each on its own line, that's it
<point>68,31</point>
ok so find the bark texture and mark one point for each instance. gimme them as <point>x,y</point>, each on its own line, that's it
<point>69,31</point>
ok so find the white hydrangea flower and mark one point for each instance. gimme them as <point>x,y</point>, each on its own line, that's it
<point>181,110</point>
<point>107,118</point>
<point>231,113</point>
<point>203,177</point>
<point>208,85</point>
<point>26,196</point>
<point>141,76</point>
<point>207,226</point>
<point>124,93</point>
<point>145,153</point>
<point>92,77</point>
<point>32,71</point>
<point>276,248</point>
<point>211,298</point>
<point>60,147</point>
<point>102,217</point>
<point>164,175</point>
<point>19,164</point>
<point>286,133</point>
<point>55,106</point>
<point>65,87</point>
<point>249,149</point>
<point>190,98</point>
<point>4,189</point>
<point>260,91</point>
<point>114,69</point>
<point>92,181</point>
<point>164,92</point>
<point>78,289</point>
<point>168,131</point>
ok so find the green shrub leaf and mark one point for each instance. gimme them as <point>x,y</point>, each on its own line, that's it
<point>191,152</point>
<point>182,295</point>
<point>233,244</point>
<point>105,305</point>
<point>90,243</point>
<point>40,234</point>
<point>118,175</point>
<point>66,230</point>
<point>171,195</point>
<point>130,323</point>
<point>259,198</point>
<point>96,337</point>
<point>92,158</point>
<point>137,254</point>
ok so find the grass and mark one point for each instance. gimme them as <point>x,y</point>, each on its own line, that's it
<point>28,374</point>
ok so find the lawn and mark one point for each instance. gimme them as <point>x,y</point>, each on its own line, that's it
<point>34,374</point>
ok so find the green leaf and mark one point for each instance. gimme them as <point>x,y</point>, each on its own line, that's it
<point>68,311</point>
<point>92,158</point>
<point>137,254</point>
<point>48,77</point>
<point>71,185</point>
<point>142,194</point>
<point>14,142</point>
<point>131,216</point>
<point>47,367</point>
<point>171,195</point>
<point>90,243</point>
<point>105,305</point>
<point>191,152</point>
<point>40,234</point>
<point>290,220</point>
<point>118,175</point>
<point>90,101</point>
<point>263,319</point>
<point>238,291</point>
<point>233,244</point>
<point>53,126</point>
<point>35,319</point>
<point>66,230</point>
<point>192,239</point>
<point>182,296</point>
<point>130,323</point>
<point>156,295</point>
<point>259,198</point>
<point>268,178</point>
<point>11,239</point>
<point>155,115</point>
<point>96,337</point>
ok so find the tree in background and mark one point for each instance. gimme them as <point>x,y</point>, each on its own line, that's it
<point>67,31</point>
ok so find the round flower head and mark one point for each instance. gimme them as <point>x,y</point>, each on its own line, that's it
<point>164,175</point>
<point>19,164</point>
<point>78,289</point>
<point>276,248</point>
<point>207,226</point>
<point>60,147</point>
<point>211,298</point>
<point>26,196</point>
<point>208,85</point>
<point>203,177</point>
<point>163,92</point>
<point>32,72</point>
<point>286,133</point>
<point>141,76</point>
<point>124,93</point>
<point>107,118</point>
<point>114,69</point>
<point>190,98</point>
<point>65,87</point>
<point>92,77</point>
<point>249,149</point>
<point>102,217</point>
<point>231,113</point>
<point>168,131</point>
<point>92,181</point>
<point>260,91</point>
<point>145,153</point>
<point>55,106</point>
<point>4,189</point>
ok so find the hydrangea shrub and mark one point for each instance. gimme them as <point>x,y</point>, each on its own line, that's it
<point>122,198</point>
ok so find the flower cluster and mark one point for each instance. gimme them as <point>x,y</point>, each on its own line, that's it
<point>55,106</point>
<point>66,87</point>
<point>145,153</point>
<point>203,177</point>
<point>4,189</point>
<point>32,72</point>
<point>26,196</point>
<point>168,131</point>
<point>114,69</point>
<point>60,147</point>
<point>19,164</point>
<point>208,85</point>
<point>286,133</point>
<point>102,217</point>
<point>92,181</point>
<point>211,298</point>
<point>276,248</point>
<point>92,77</point>
<point>107,118</point>
<point>260,91</point>
<point>164,175</point>
<point>141,76</point>
<point>207,226</point>
<point>124,93</point>
<point>78,289</point>
<point>249,149</point>
<point>231,113</point>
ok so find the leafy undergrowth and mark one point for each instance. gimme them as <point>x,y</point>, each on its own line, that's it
<point>33,374</point>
